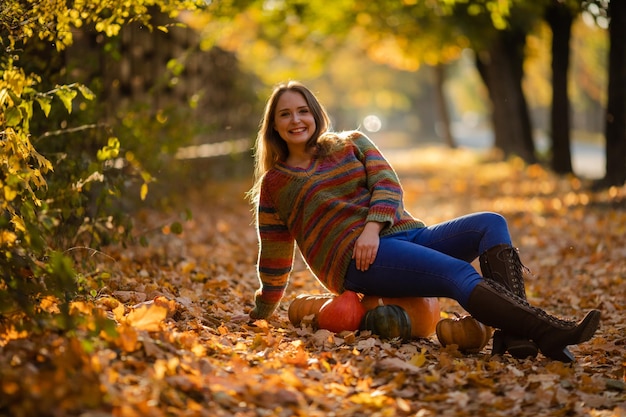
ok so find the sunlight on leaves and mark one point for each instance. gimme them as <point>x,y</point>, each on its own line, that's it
<point>147,317</point>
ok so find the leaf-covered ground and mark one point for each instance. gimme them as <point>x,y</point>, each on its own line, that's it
<point>178,351</point>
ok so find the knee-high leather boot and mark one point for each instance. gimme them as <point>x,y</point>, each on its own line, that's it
<point>502,264</point>
<point>494,305</point>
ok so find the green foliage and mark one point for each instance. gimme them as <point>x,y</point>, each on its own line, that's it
<point>60,187</point>
<point>53,21</point>
<point>403,34</point>
<point>41,209</point>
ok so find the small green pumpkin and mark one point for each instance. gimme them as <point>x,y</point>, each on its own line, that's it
<point>388,321</point>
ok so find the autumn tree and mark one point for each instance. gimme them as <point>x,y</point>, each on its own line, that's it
<point>560,17</point>
<point>615,130</point>
<point>33,100</point>
<point>437,32</point>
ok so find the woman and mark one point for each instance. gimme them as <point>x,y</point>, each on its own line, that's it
<point>337,198</point>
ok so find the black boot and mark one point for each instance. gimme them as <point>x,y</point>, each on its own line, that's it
<point>502,264</point>
<point>494,305</point>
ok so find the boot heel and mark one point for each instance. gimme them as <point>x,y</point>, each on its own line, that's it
<point>562,355</point>
<point>498,347</point>
<point>521,348</point>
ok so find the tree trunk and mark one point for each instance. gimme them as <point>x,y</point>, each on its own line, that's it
<point>442,106</point>
<point>422,102</point>
<point>559,16</point>
<point>501,68</point>
<point>615,128</point>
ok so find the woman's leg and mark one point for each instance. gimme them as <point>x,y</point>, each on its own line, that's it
<point>469,237</point>
<point>403,269</point>
<point>501,264</point>
<point>432,261</point>
<point>484,235</point>
<point>464,237</point>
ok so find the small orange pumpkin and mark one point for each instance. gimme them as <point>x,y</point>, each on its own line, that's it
<point>466,332</point>
<point>344,312</point>
<point>305,305</point>
<point>424,312</point>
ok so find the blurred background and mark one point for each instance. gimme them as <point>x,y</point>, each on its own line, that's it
<point>476,74</point>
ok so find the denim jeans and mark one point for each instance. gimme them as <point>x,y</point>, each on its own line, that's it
<point>434,261</point>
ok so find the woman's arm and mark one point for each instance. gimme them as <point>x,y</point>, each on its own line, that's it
<point>382,181</point>
<point>366,245</point>
<point>385,201</point>
<point>275,261</point>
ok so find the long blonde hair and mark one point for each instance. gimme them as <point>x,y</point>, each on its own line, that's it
<point>270,148</point>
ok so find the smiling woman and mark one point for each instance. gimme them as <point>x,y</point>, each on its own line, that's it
<point>336,197</point>
<point>295,123</point>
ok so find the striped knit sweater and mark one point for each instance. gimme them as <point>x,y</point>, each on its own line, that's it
<point>323,210</point>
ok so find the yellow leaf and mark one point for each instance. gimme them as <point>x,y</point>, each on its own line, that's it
<point>188,267</point>
<point>7,238</point>
<point>198,350</point>
<point>81,307</point>
<point>403,405</point>
<point>419,359</point>
<point>118,311</point>
<point>127,339</point>
<point>144,191</point>
<point>12,334</point>
<point>147,317</point>
<point>432,378</point>
<point>375,399</point>
<point>49,304</point>
<point>112,304</point>
<point>9,193</point>
<point>299,358</point>
<point>222,330</point>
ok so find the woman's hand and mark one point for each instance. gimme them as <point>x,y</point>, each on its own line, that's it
<point>366,245</point>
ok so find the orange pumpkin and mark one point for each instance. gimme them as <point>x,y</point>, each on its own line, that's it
<point>305,305</point>
<point>344,312</point>
<point>424,312</point>
<point>466,332</point>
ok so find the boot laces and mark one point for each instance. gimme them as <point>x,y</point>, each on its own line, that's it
<point>512,256</point>
<point>515,277</point>
<point>566,324</point>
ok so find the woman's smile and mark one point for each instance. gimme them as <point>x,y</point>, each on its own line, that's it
<point>294,121</point>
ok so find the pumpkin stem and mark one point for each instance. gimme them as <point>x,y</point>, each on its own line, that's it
<point>380,301</point>
<point>458,316</point>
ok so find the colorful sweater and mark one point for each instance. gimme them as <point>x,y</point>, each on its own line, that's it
<point>323,209</point>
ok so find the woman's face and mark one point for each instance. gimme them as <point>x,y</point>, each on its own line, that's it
<point>293,119</point>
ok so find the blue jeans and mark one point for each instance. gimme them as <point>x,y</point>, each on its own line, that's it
<point>434,261</point>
